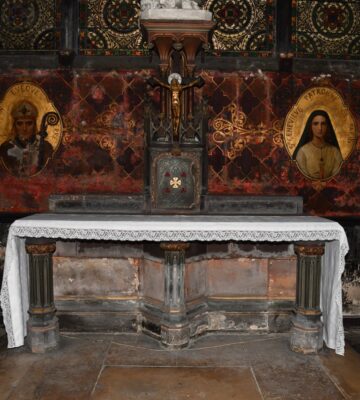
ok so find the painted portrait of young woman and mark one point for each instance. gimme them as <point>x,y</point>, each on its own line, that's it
<point>318,154</point>
<point>320,133</point>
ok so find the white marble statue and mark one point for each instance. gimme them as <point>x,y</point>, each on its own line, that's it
<point>169,4</point>
<point>173,10</point>
<point>190,4</point>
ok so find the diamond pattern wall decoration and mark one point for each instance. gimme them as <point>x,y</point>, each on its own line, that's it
<point>102,150</point>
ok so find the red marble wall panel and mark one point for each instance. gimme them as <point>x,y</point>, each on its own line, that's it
<point>260,164</point>
<point>282,278</point>
<point>243,277</point>
<point>152,280</point>
<point>99,278</point>
<point>103,142</point>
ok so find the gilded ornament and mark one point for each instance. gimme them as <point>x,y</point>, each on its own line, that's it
<point>235,134</point>
<point>175,182</point>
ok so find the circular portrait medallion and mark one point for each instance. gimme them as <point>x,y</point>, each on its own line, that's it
<point>320,133</point>
<point>30,129</point>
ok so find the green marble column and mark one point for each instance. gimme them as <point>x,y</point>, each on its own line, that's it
<point>307,329</point>
<point>42,326</point>
<point>175,331</point>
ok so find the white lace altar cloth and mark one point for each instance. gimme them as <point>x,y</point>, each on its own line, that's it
<point>15,298</point>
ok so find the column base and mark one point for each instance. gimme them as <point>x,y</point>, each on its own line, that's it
<point>175,337</point>
<point>42,338</point>
<point>306,335</point>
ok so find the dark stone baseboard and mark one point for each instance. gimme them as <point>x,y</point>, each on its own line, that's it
<point>104,321</point>
<point>99,204</point>
<point>214,204</point>
<point>254,205</point>
<point>129,316</point>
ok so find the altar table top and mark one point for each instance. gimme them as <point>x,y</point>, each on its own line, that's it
<point>160,228</point>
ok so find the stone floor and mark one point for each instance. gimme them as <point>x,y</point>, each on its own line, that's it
<point>221,367</point>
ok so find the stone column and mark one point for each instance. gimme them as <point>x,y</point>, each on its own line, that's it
<point>175,331</point>
<point>307,330</point>
<point>42,326</point>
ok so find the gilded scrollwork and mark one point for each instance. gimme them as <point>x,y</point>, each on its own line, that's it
<point>235,134</point>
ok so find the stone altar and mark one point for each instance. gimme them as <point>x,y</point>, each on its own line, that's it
<point>175,232</point>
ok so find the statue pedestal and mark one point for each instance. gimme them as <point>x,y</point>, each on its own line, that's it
<point>188,34</point>
<point>175,133</point>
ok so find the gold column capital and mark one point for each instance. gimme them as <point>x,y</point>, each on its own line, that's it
<point>174,246</point>
<point>40,248</point>
<point>309,249</point>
